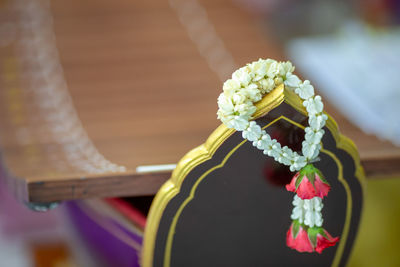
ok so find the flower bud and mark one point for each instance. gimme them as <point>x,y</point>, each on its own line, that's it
<point>309,183</point>
<point>309,239</point>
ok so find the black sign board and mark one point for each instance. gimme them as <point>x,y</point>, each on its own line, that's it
<point>226,204</point>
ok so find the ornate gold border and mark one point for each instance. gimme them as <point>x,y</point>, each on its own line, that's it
<point>205,152</point>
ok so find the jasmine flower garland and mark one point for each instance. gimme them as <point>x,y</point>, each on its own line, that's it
<point>247,86</point>
<point>236,107</point>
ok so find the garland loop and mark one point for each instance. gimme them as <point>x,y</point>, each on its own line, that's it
<point>247,86</point>
<point>236,107</point>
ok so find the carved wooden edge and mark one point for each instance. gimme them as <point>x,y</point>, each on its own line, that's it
<point>133,184</point>
<point>129,184</point>
<point>113,185</point>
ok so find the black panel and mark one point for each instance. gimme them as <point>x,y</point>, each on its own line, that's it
<point>241,212</point>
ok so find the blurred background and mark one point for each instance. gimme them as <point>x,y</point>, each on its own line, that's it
<point>100,78</point>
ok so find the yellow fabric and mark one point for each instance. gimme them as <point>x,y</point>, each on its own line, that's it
<point>378,241</point>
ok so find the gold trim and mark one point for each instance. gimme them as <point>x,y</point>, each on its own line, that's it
<point>339,252</point>
<point>186,164</point>
<point>349,202</point>
<point>167,256</point>
<point>205,152</point>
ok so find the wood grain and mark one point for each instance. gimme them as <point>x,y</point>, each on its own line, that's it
<point>143,92</point>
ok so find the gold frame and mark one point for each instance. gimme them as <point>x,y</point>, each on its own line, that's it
<point>205,151</point>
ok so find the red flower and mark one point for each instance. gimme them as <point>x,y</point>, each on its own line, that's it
<point>297,238</point>
<point>325,240</point>
<point>309,239</point>
<point>308,183</point>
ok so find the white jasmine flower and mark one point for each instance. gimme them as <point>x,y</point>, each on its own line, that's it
<point>230,87</point>
<point>307,211</point>
<point>225,118</point>
<point>263,143</point>
<point>243,107</point>
<point>287,152</point>
<point>293,167</point>
<point>297,201</point>
<point>313,136</point>
<point>259,68</point>
<point>298,162</point>
<point>298,211</point>
<point>309,218</point>
<point>285,67</point>
<point>245,110</point>
<point>272,68</point>
<point>253,132</point>
<point>273,149</point>
<point>317,203</point>
<point>278,81</point>
<point>238,97</point>
<point>247,86</point>
<point>276,145</point>
<point>305,90</point>
<point>286,155</point>
<point>251,92</point>
<point>308,149</point>
<point>225,104</point>
<point>298,214</point>
<point>316,151</point>
<point>317,122</point>
<point>239,123</point>
<point>292,80</point>
<point>266,85</point>
<point>220,114</point>
<point>242,76</point>
<point>313,216</point>
<point>313,105</point>
<point>308,204</point>
<point>318,220</point>
<point>284,160</point>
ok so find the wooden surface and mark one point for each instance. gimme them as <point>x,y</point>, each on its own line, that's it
<point>143,92</point>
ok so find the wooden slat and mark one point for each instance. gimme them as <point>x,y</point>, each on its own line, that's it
<point>143,92</point>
